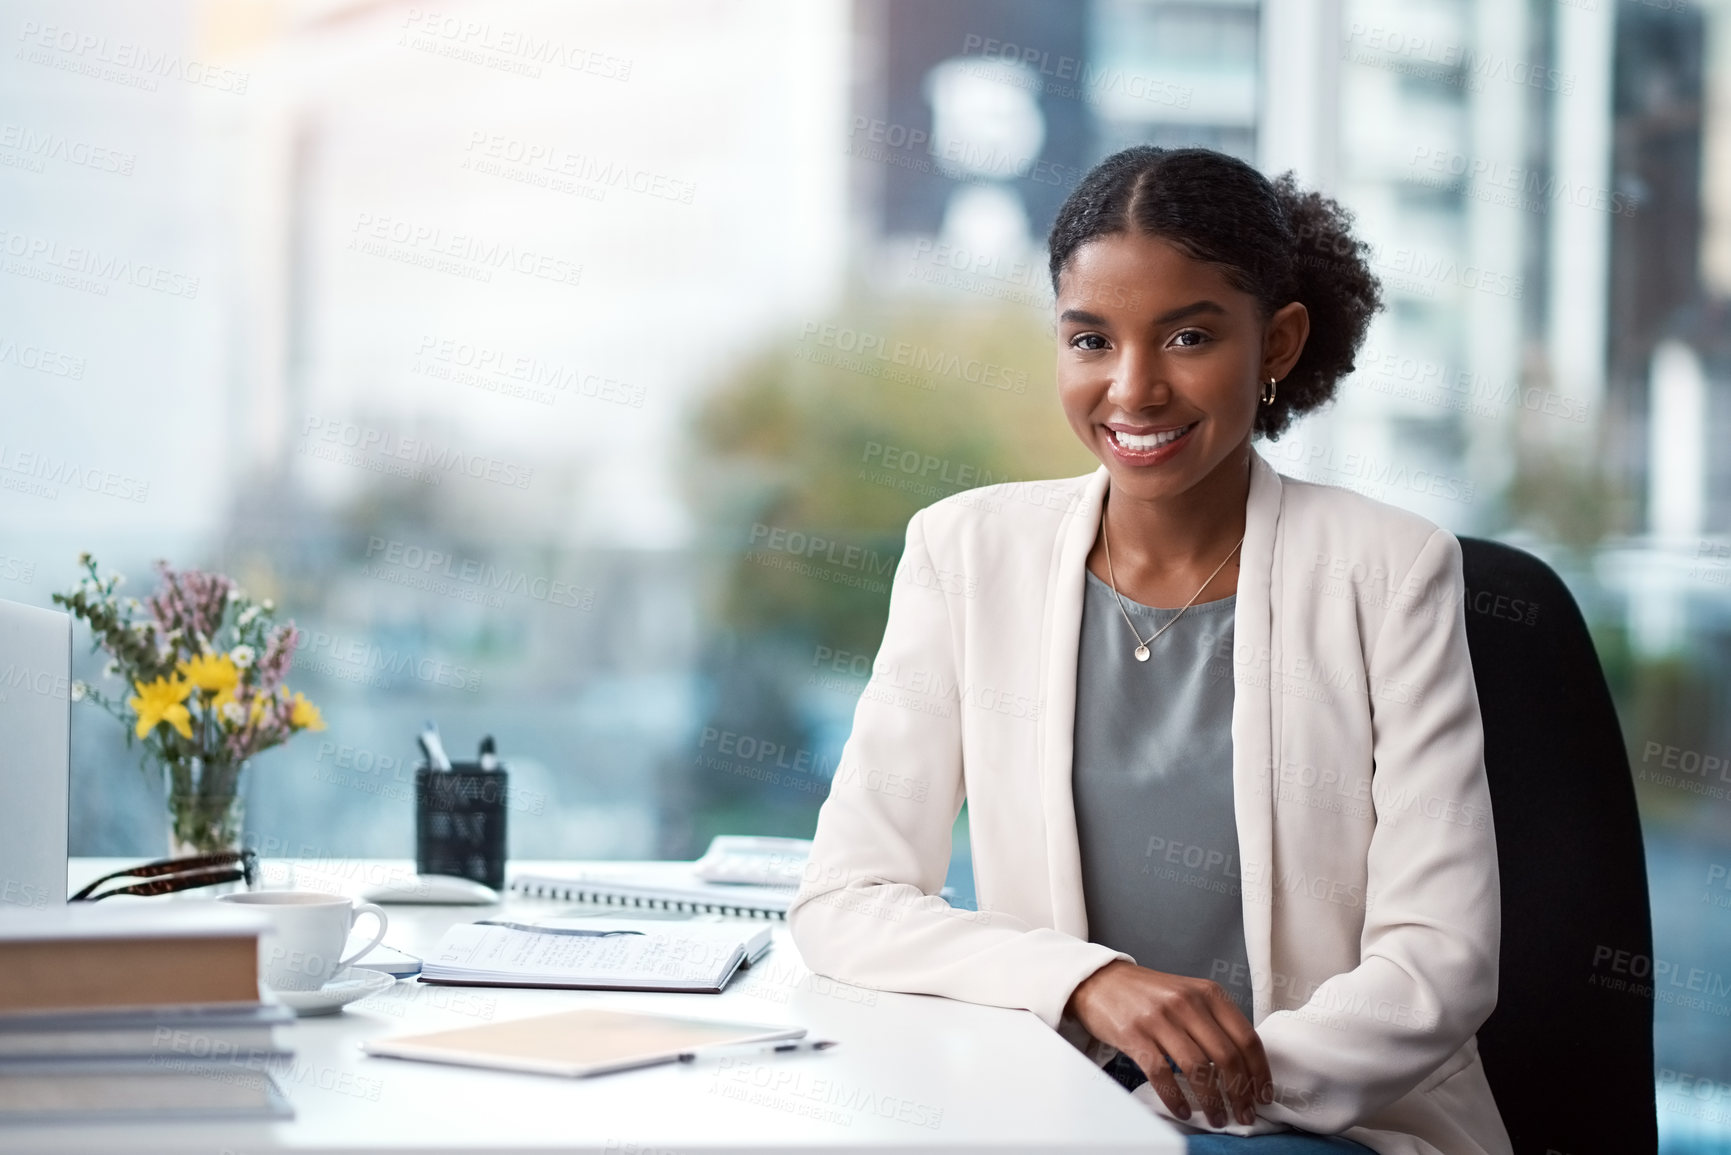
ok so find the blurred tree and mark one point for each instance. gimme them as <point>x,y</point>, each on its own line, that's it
<point>843,430</point>
<point>1566,499</point>
<point>839,431</point>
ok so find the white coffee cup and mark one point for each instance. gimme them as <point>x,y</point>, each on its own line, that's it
<point>308,928</point>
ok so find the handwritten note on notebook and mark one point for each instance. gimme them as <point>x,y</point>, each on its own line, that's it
<point>694,957</point>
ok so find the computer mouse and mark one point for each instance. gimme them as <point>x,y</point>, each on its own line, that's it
<point>439,889</point>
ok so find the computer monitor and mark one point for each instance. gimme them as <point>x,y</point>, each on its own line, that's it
<point>35,754</point>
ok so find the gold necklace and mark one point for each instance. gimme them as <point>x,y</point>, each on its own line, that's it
<point>1142,646</point>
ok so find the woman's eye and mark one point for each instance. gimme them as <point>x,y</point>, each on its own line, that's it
<point>1088,342</point>
<point>1190,338</point>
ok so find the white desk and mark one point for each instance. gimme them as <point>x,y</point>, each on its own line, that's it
<point>912,1072</point>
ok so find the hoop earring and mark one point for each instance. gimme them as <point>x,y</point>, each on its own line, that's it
<point>1268,392</point>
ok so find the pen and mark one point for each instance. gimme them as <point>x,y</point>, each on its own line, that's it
<point>433,748</point>
<point>529,926</point>
<point>778,1048</point>
<point>489,755</point>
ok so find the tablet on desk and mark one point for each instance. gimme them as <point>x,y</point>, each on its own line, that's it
<point>576,1043</point>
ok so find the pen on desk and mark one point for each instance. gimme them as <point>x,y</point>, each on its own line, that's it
<point>777,1048</point>
<point>489,754</point>
<point>433,748</point>
<point>529,926</point>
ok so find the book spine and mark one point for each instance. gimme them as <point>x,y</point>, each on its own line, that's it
<point>578,892</point>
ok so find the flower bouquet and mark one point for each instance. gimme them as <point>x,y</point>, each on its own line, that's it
<point>206,665</point>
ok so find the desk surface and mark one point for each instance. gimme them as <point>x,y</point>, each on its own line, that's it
<point>912,1072</point>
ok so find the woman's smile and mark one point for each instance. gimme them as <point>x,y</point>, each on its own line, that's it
<point>1146,448</point>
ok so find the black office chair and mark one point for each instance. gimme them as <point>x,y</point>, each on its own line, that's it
<point>1569,1049</point>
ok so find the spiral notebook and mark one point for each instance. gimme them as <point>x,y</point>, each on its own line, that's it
<point>659,885</point>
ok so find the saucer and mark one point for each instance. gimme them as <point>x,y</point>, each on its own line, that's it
<point>349,984</point>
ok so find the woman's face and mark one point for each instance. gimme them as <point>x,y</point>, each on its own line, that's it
<point>1161,362</point>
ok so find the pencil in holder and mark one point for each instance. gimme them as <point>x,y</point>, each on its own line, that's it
<point>460,822</point>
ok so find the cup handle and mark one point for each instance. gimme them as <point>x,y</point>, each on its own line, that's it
<point>384,923</point>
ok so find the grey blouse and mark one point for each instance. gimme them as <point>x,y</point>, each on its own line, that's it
<point>1152,786</point>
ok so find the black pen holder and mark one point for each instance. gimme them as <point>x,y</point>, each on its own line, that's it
<point>460,822</point>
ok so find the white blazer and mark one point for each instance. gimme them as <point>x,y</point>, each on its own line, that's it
<point>1368,865</point>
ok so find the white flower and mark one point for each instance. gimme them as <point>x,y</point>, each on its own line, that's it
<point>117,581</point>
<point>242,656</point>
<point>232,713</point>
<point>236,594</point>
<point>247,615</point>
<point>132,606</point>
<point>79,689</point>
<point>269,606</point>
<point>112,669</point>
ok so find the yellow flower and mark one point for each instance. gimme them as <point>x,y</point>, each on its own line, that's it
<point>214,674</point>
<point>305,715</point>
<point>161,702</point>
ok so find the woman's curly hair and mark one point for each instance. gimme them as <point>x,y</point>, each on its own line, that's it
<point>1271,239</point>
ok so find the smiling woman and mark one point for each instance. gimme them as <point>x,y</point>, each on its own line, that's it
<point>1191,858</point>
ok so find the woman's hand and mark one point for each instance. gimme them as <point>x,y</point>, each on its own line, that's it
<point>1151,1015</point>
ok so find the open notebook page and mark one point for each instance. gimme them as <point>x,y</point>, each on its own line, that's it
<point>663,956</point>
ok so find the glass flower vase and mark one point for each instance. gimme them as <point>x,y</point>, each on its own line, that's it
<point>206,806</point>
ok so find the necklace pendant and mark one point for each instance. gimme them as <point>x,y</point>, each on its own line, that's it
<point>1141,653</point>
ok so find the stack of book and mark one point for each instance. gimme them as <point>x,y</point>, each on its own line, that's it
<point>144,1010</point>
